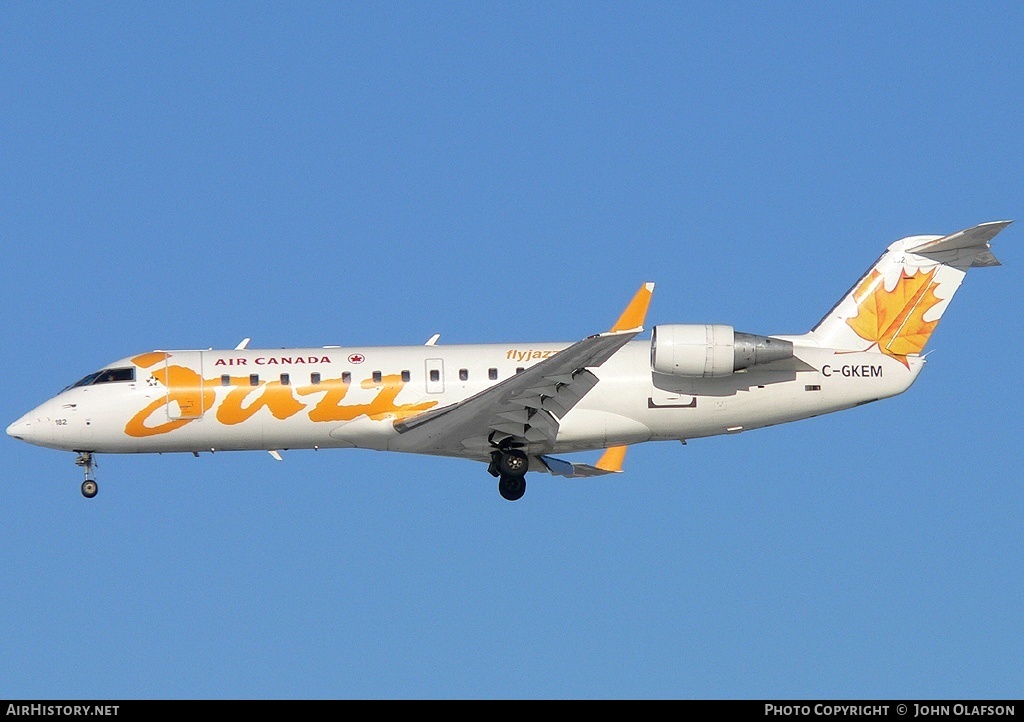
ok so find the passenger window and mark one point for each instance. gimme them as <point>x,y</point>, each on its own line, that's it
<point>435,375</point>
<point>376,377</point>
<point>463,374</point>
<point>254,379</point>
<point>346,377</point>
<point>285,379</point>
<point>314,378</point>
<point>492,374</point>
<point>405,376</point>
<point>225,380</point>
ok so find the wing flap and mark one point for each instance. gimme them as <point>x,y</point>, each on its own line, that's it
<point>520,416</point>
<point>510,429</point>
<point>553,406</point>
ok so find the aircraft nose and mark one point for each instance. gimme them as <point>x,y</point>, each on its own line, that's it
<point>20,429</point>
<point>31,427</point>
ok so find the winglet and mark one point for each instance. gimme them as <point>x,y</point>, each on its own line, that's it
<point>632,318</point>
<point>612,458</point>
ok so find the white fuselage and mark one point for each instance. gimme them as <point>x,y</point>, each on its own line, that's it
<point>513,406</point>
<point>213,400</point>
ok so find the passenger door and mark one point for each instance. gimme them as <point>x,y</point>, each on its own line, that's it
<point>185,385</point>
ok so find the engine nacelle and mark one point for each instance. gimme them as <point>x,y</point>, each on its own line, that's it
<point>708,350</point>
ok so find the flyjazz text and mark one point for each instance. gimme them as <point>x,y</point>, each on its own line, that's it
<point>528,355</point>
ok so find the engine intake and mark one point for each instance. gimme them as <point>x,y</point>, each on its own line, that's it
<point>710,350</point>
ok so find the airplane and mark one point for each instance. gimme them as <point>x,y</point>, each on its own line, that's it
<point>517,407</point>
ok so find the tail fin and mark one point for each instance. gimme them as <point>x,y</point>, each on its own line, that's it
<point>898,303</point>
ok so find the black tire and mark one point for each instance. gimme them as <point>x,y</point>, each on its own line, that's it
<point>512,487</point>
<point>90,488</point>
<point>513,462</point>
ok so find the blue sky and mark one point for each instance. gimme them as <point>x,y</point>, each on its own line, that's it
<point>183,176</point>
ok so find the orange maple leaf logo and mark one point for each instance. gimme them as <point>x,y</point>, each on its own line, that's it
<point>895,319</point>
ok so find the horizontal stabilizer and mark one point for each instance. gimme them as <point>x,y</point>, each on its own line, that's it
<point>973,240</point>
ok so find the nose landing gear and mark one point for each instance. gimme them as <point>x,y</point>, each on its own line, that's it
<point>89,487</point>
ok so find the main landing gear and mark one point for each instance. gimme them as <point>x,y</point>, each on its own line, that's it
<point>512,487</point>
<point>89,487</point>
<point>510,466</point>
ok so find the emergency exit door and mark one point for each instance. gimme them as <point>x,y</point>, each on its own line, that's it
<point>435,376</point>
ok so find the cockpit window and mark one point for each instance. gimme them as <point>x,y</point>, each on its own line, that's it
<point>86,381</point>
<point>107,376</point>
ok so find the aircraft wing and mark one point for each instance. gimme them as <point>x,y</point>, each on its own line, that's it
<point>524,410</point>
<point>526,407</point>
<point>609,463</point>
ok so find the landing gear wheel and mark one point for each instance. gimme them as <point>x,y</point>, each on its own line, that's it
<point>512,487</point>
<point>89,486</point>
<point>513,462</point>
